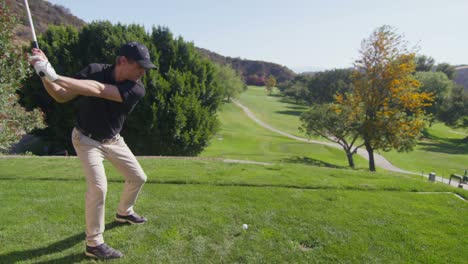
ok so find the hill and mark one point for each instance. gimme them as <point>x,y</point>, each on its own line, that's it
<point>253,72</point>
<point>44,14</point>
<point>461,76</point>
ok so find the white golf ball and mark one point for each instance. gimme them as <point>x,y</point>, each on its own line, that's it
<point>245,226</point>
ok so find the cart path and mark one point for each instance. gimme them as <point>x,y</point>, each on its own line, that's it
<point>380,161</point>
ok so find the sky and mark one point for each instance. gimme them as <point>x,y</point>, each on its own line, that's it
<point>303,35</point>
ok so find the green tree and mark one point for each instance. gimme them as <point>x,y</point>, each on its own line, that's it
<point>332,123</point>
<point>270,83</point>
<point>324,85</point>
<point>424,63</point>
<point>15,121</point>
<point>230,81</point>
<point>454,111</point>
<point>437,84</point>
<point>297,90</point>
<point>448,69</point>
<point>385,95</point>
<point>178,114</point>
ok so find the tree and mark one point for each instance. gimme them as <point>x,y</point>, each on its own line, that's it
<point>270,83</point>
<point>454,111</point>
<point>385,96</point>
<point>230,81</point>
<point>424,63</point>
<point>178,114</point>
<point>15,121</point>
<point>324,85</point>
<point>448,69</point>
<point>255,80</point>
<point>333,123</point>
<point>297,90</point>
<point>437,84</point>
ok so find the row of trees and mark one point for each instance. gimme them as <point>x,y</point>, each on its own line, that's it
<point>450,100</point>
<point>176,117</point>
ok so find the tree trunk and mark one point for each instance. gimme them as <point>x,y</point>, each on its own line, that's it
<point>370,151</point>
<point>349,155</point>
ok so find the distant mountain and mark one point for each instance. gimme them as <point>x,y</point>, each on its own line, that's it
<point>253,72</point>
<point>461,76</point>
<point>44,14</point>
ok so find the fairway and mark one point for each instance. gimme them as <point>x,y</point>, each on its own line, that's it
<point>242,138</point>
<point>296,213</point>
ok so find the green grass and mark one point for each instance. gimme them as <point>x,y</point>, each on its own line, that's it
<point>296,214</point>
<point>242,138</point>
<point>275,110</point>
<point>441,151</point>
<point>306,207</point>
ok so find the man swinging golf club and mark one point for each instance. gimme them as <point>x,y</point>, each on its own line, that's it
<point>107,94</point>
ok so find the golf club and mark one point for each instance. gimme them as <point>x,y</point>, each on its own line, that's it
<point>31,24</point>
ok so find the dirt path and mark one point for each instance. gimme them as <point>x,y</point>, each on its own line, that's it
<point>380,161</point>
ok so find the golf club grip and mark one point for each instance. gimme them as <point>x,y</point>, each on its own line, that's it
<point>35,44</point>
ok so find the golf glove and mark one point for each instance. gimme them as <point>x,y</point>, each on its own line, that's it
<point>44,69</point>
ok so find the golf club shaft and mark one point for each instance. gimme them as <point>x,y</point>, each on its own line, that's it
<point>31,24</point>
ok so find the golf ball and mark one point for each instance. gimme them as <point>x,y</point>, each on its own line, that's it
<point>245,226</point>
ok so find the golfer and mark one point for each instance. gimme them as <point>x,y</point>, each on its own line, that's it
<point>106,95</point>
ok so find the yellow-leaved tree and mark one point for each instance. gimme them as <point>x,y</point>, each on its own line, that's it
<point>385,99</point>
<point>270,83</point>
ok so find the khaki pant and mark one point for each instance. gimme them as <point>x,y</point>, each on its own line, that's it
<point>92,153</point>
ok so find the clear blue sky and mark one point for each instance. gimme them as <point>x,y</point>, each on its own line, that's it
<point>299,34</point>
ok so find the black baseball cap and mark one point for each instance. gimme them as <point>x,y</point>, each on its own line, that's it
<point>137,52</point>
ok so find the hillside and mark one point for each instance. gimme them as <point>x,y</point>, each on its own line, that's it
<point>44,14</point>
<point>461,76</point>
<point>253,72</point>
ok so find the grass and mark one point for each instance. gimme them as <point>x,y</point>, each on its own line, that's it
<point>442,146</point>
<point>296,214</point>
<point>306,207</point>
<point>242,138</point>
<point>275,110</point>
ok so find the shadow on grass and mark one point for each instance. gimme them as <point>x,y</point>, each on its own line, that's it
<point>300,104</point>
<point>312,162</point>
<point>444,145</point>
<point>30,254</point>
<point>298,107</point>
<point>290,112</point>
<point>275,95</point>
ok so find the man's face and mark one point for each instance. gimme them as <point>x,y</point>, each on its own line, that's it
<point>133,70</point>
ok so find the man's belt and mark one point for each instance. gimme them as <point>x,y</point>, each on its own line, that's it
<point>96,138</point>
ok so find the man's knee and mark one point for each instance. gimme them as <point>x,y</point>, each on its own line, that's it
<point>142,178</point>
<point>97,192</point>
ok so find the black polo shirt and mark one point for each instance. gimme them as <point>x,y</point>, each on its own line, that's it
<point>103,118</point>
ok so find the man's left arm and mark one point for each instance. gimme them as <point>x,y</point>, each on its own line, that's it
<point>89,88</point>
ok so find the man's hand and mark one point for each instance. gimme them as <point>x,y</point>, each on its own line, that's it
<point>44,69</point>
<point>42,66</point>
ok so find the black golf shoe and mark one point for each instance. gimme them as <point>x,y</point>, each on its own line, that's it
<point>103,251</point>
<point>133,219</point>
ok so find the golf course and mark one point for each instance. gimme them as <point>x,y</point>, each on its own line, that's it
<point>300,201</point>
